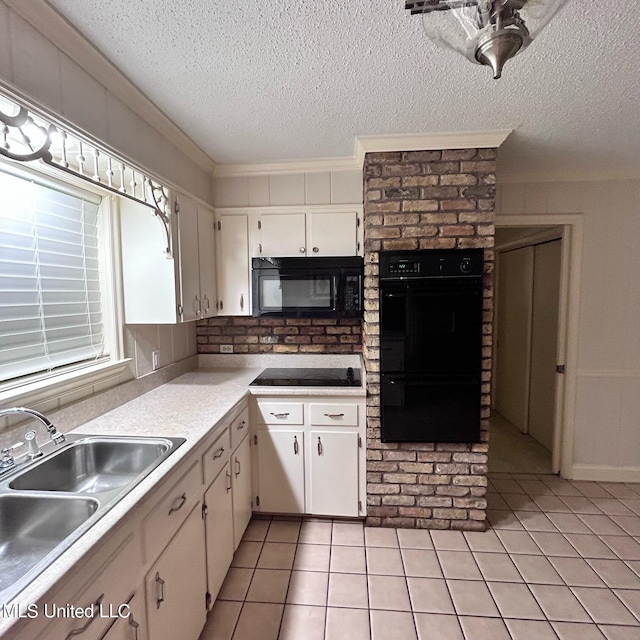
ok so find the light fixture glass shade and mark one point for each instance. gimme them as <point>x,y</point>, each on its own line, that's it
<point>487,31</point>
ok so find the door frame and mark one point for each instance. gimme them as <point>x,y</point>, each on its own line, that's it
<point>570,276</point>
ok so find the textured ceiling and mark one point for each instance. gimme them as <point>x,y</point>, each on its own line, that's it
<point>268,80</point>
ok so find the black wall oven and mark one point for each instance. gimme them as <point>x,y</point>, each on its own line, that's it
<point>431,345</point>
<point>328,287</point>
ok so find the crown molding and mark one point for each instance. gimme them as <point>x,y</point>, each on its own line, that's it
<point>430,141</point>
<point>56,28</point>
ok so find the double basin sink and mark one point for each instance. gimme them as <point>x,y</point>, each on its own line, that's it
<point>48,503</point>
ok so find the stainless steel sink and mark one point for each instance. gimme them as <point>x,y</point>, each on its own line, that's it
<point>31,527</point>
<point>93,466</point>
<point>48,504</point>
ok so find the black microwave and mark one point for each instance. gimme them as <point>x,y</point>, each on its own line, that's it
<point>311,287</point>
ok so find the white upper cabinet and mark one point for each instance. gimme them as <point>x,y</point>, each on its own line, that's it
<point>332,234</point>
<point>163,289</point>
<point>233,265</point>
<point>316,233</point>
<point>282,234</point>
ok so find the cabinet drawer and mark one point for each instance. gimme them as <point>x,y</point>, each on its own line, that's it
<point>280,413</point>
<point>334,414</point>
<point>171,511</point>
<point>108,590</point>
<point>239,428</point>
<point>216,457</point>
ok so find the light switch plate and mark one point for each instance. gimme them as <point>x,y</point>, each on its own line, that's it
<point>155,355</point>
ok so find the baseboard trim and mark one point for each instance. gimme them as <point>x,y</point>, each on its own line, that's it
<point>602,473</point>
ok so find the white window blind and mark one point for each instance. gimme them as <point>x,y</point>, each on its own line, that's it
<point>50,305</point>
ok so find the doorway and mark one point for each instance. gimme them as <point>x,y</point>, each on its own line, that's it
<point>524,421</point>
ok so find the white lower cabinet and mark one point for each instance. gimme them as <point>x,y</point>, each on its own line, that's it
<point>316,465</point>
<point>241,493</point>
<point>176,585</point>
<point>131,626</point>
<point>219,530</point>
<point>281,470</point>
<point>333,473</point>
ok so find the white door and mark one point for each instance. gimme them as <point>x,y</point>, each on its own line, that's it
<point>544,342</point>
<point>282,234</point>
<point>189,261</point>
<point>333,473</point>
<point>219,530</point>
<point>206,255</point>
<point>281,471</point>
<point>332,234</point>
<point>233,266</point>
<point>176,585</point>
<point>241,475</point>
<point>515,273</point>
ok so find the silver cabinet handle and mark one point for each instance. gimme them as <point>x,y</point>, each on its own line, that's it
<point>159,590</point>
<point>238,468</point>
<point>135,625</point>
<point>315,249</point>
<point>229,479</point>
<point>94,607</point>
<point>335,416</point>
<point>302,249</point>
<point>295,445</point>
<point>197,307</point>
<point>207,305</point>
<point>280,415</point>
<point>242,425</point>
<point>218,453</point>
<point>242,302</point>
<point>319,446</point>
<point>181,502</point>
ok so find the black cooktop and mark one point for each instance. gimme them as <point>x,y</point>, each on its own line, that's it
<point>309,377</point>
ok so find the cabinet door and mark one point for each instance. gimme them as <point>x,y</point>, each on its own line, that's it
<point>176,585</point>
<point>282,234</point>
<point>189,261</point>
<point>332,234</point>
<point>241,470</point>
<point>219,530</point>
<point>281,471</point>
<point>132,626</point>
<point>206,255</point>
<point>233,266</point>
<point>333,473</point>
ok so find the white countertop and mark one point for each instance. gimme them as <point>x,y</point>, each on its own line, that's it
<point>188,407</point>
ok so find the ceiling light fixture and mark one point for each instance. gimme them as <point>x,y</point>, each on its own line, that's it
<point>486,32</point>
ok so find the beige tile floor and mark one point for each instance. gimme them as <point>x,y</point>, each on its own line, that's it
<point>560,561</point>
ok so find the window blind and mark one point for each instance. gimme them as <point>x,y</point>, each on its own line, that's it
<point>50,305</point>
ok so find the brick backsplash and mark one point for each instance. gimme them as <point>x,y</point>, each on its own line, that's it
<point>426,200</point>
<point>280,335</point>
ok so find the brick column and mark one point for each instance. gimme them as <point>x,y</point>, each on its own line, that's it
<point>426,200</point>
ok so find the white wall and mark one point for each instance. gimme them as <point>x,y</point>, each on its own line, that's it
<point>607,411</point>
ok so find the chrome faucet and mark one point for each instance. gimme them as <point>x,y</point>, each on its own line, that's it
<point>55,435</point>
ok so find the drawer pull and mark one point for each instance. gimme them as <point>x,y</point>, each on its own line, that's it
<point>319,446</point>
<point>218,453</point>
<point>336,416</point>
<point>295,445</point>
<point>182,499</point>
<point>242,425</point>
<point>280,415</point>
<point>238,468</point>
<point>159,590</point>
<point>94,608</point>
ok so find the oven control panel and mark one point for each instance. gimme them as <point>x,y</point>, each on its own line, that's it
<point>431,263</point>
